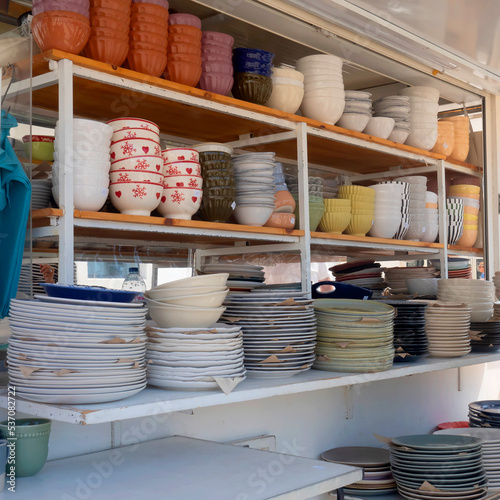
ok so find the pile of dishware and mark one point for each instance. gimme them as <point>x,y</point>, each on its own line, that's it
<point>136,166</point>
<point>73,351</point>
<point>375,462</point>
<point>242,277</point>
<point>424,108</point>
<point>485,335</point>
<point>478,294</point>
<point>279,331</point>
<point>284,203</point>
<point>324,96</point>
<point>194,358</point>
<point>447,328</point>
<point>417,215</point>
<point>336,216</point>
<point>90,163</point>
<point>252,75</point>
<point>288,89</point>
<point>362,208</point>
<point>484,414</point>
<point>184,49</point>
<point>469,196</point>
<point>490,447</point>
<point>431,217</point>
<point>41,193</point>
<point>396,277</point>
<point>354,335</point>
<point>455,217</point>
<point>357,110</point>
<point>363,273</point>
<point>457,267</point>
<point>182,184</point>
<point>216,62</point>
<point>446,139</point>
<point>388,215</point>
<point>432,467</point>
<point>316,201</point>
<point>255,187</point>
<point>461,135</point>
<point>405,208</point>
<point>396,107</point>
<point>194,302</point>
<point>219,187</point>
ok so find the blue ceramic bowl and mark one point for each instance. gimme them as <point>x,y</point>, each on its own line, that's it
<point>246,65</point>
<point>254,54</point>
<point>88,293</point>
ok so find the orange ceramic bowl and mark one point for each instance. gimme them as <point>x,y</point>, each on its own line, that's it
<point>110,23</point>
<point>148,18</point>
<point>190,58</point>
<point>184,72</point>
<point>122,5</point>
<point>180,38</point>
<point>185,29</point>
<point>106,49</point>
<point>147,61</point>
<point>147,46</point>
<point>154,28</point>
<point>281,220</point>
<point>118,15</point>
<point>109,33</point>
<point>66,33</point>
<point>142,36</point>
<point>150,9</point>
<point>184,48</point>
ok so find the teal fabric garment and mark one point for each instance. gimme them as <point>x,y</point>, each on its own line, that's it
<point>15,196</point>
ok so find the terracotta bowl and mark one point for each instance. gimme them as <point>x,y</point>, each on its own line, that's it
<point>184,29</point>
<point>284,221</point>
<point>153,28</point>
<point>147,46</point>
<point>109,33</point>
<point>180,38</point>
<point>106,49</point>
<point>141,36</point>
<point>187,19</point>
<point>150,9</point>
<point>149,62</point>
<point>251,87</point>
<point>190,58</point>
<point>446,138</point>
<point>66,33</point>
<point>118,15</point>
<point>109,23</point>
<point>184,48</point>
<point>183,72</point>
<point>122,5</point>
<point>148,18</point>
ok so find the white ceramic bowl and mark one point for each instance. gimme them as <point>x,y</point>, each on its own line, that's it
<point>184,317</point>
<point>379,126</point>
<point>90,127</point>
<point>399,136</point>
<point>214,299</point>
<point>321,109</point>
<point>151,163</point>
<point>323,84</point>
<point>87,156</point>
<point>161,294</point>
<point>100,179</point>
<point>286,98</point>
<point>326,59</point>
<point>135,133</point>
<point>83,148</point>
<point>203,280</point>
<point>420,91</point>
<point>127,148</point>
<point>125,123</point>
<point>477,316</point>
<point>91,166</point>
<point>422,286</point>
<point>316,75</point>
<point>181,154</point>
<point>385,227</point>
<point>287,73</point>
<point>431,232</point>
<point>89,198</point>
<point>252,215</point>
<point>422,139</point>
<point>325,94</point>
<point>135,198</point>
<point>180,202</point>
<point>353,121</point>
<point>135,176</point>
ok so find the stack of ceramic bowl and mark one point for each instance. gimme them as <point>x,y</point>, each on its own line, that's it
<point>377,475</point>
<point>418,190</point>
<point>354,335</point>
<point>490,447</point>
<point>182,184</point>
<point>362,208</point>
<point>424,108</point>
<point>461,135</point>
<point>357,110</point>
<point>316,201</point>
<point>241,276</point>
<point>396,107</point>
<point>396,276</point>
<point>436,467</point>
<point>219,186</point>
<point>470,196</point>
<point>184,49</point>
<point>188,303</point>
<point>284,203</point>
<point>455,213</point>
<point>148,37</point>
<point>279,331</point>
<point>136,166</point>
<point>388,214</point>
<point>41,192</point>
<point>252,75</point>
<point>108,41</point>
<point>363,273</point>
<point>255,188</point>
<point>74,351</point>
<point>324,96</point>
<point>405,208</point>
<point>216,62</point>
<point>336,217</point>
<point>288,89</point>
<point>484,414</point>
<point>431,217</point>
<point>90,164</point>
<point>478,294</point>
<point>485,335</point>
<point>379,126</point>
<point>331,187</point>
<point>61,25</point>
<point>193,359</point>
<point>446,139</point>
<point>457,267</point>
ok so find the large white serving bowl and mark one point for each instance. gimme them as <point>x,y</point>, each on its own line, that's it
<point>385,227</point>
<point>286,98</point>
<point>184,317</point>
<point>420,91</point>
<point>354,121</point>
<point>327,110</point>
<point>213,299</point>
<point>161,294</point>
<point>88,198</point>
<point>253,215</point>
<point>203,280</point>
<point>379,126</point>
<point>480,316</point>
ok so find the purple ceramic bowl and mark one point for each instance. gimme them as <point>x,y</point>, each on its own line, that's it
<point>211,50</point>
<point>218,38</point>
<point>50,5</point>
<point>225,68</point>
<point>218,83</point>
<point>188,19</point>
<point>161,3</point>
<point>216,57</point>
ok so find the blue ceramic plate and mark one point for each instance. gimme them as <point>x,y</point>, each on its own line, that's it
<point>88,293</point>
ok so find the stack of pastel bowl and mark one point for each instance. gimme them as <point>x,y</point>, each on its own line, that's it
<point>424,108</point>
<point>61,25</point>
<point>336,217</point>
<point>255,187</point>
<point>184,49</point>
<point>316,202</point>
<point>431,217</point>
<point>396,107</point>
<point>405,208</point>
<point>455,214</point>
<point>324,96</point>
<point>148,38</point>
<point>468,193</point>
<point>136,166</point>
<point>445,142</point>
<point>461,135</point>
<point>252,75</point>
<point>288,89</point>
<point>362,208</point>
<point>388,214</point>
<point>90,164</point>
<point>216,62</point>
<point>284,203</point>
<point>357,110</point>
<point>109,23</point>
<point>418,190</point>
<point>182,184</point>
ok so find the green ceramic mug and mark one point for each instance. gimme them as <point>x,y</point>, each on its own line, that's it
<point>28,452</point>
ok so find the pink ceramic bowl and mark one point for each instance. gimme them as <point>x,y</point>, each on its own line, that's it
<point>225,68</point>
<point>183,181</point>
<point>219,51</point>
<point>188,19</point>
<point>180,154</point>
<point>148,163</point>
<point>182,168</point>
<point>215,58</point>
<point>126,123</point>
<point>80,7</point>
<point>135,176</point>
<point>127,148</point>
<point>180,203</point>
<point>218,83</point>
<point>135,198</point>
<point>218,38</point>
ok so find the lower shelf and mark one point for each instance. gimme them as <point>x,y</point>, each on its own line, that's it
<point>181,468</point>
<point>153,401</point>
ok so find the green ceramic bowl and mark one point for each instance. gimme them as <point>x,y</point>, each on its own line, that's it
<point>42,147</point>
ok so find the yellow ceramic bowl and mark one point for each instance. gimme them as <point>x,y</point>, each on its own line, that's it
<point>355,197</point>
<point>468,238</point>
<point>359,225</point>
<point>371,213</point>
<point>470,217</point>
<point>470,226</point>
<point>464,189</point>
<point>361,205</point>
<point>342,210</point>
<point>471,210</point>
<point>357,190</point>
<point>334,223</point>
<point>337,202</point>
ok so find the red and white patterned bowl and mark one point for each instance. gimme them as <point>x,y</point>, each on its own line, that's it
<point>135,198</point>
<point>180,203</point>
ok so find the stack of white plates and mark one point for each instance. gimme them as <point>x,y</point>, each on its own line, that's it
<point>490,440</point>
<point>241,276</point>
<point>418,190</point>
<point>76,351</point>
<point>431,217</point>
<point>447,327</point>
<point>478,294</point>
<point>191,358</point>
<point>388,214</point>
<point>396,107</point>
<point>279,331</point>
<point>396,276</point>
<point>41,194</point>
<point>357,110</point>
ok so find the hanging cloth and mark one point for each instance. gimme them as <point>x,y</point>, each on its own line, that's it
<point>15,196</point>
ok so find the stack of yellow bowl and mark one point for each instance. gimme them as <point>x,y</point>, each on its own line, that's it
<point>362,208</point>
<point>461,134</point>
<point>468,193</point>
<point>336,216</point>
